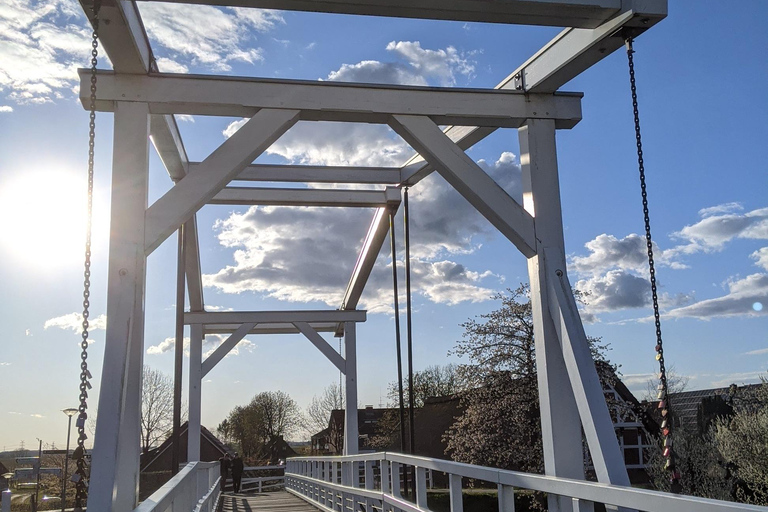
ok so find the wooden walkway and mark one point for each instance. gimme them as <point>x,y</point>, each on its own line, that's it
<point>279,501</point>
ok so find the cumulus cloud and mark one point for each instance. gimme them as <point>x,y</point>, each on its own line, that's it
<point>42,44</point>
<point>6,108</point>
<point>313,263</point>
<point>414,65</point>
<point>741,300</point>
<point>210,343</point>
<point>761,257</point>
<point>167,65</point>
<point>721,224</point>
<point>74,322</point>
<point>206,36</point>
<point>617,289</point>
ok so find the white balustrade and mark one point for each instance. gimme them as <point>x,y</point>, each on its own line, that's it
<point>316,480</point>
<point>196,488</point>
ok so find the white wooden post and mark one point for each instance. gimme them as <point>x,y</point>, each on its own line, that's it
<point>395,479</point>
<point>115,465</point>
<point>560,423</point>
<point>6,499</point>
<point>506,495</point>
<point>350,415</point>
<point>369,484</point>
<point>421,488</point>
<point>455,495</point>
<point>195,391</point>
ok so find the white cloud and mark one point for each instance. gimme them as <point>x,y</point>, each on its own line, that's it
<point>5,363</point>
<point>716,228</point>
<point>757,352</point>
<point>27,332</point>
<point>74,322</point>
<point>210,343</point>
<point>720,209</point>
<point>273,254</point>
<point>6,108</point>
<point>415,66</point>
<point>166,65</point>
<point>615,290</point>
<point>184,117</point>
<point>740,300</point>
<point>761,257</point>
<point>42,44</point>
<point>207,36</point>
<point>37,416</point>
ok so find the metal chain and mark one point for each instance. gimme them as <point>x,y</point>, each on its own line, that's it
<point>663,396</point>
<point>81,474</point>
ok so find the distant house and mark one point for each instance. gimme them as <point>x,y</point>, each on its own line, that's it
<point>695,410</point>
<point>275,450</point>
<point>161,458</point>
<point>330,441</point>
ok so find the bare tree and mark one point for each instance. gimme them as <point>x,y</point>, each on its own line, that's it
<point>319,409</point>
<point>430,382</point>
<point>156,408</point>
<point>269,415</point>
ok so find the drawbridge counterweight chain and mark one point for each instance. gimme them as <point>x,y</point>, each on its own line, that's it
<point>81,474</point>
<point>663,390</point>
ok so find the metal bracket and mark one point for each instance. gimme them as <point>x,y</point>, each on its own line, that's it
<point>518,81</point>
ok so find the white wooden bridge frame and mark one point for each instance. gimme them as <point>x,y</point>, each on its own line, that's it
<point>144,102</point>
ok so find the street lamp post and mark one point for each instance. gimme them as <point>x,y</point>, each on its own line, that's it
<point>69,412</point>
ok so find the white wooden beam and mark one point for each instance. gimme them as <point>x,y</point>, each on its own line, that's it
<point>195,392</point>
<point>269,328</point>
<point>271,317</point>
<point>322,345</point>
<point>329,101</point>
<point>192,265</point>
<point>351,432</point>
<point>226,162</point>
<point>319,174</point>
<point>590,400</point>
<point>226,347</point>
<point>563,13</point>
<point>469,180</point>
<point>122,35</point>
<point>307,197</point>
<point>115,466</point>
<point>374,239</point>
<point>560,421</point>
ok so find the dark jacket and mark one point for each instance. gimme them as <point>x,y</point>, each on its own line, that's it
<point>225,464</point>
<point>237,466</point>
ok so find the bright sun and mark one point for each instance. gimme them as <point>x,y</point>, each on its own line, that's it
<point>43,218</point>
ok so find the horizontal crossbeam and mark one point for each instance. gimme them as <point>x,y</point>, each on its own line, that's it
<point>562,13</point>
<point>270,328</point>
<point>307,197</point>
<point>318,174</point>
<point>273,317</point>
<point>329,101</point>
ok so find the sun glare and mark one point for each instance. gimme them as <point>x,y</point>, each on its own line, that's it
<point>43,218</point>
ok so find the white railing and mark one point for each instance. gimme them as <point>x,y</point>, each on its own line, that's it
<point>196,488</point>
<point>330,484</point>
<point>262,483</point>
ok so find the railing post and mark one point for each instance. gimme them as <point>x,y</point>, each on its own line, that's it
<point>421,488</point>
<point>454,491</point>
<point>369,484</point>
<point>506,498</point>
<point>395,480</point>
<point>588,506</point>
<point>6,500</point>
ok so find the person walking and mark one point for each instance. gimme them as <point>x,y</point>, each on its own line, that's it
<point>224,464</point>
<point>237,472</point>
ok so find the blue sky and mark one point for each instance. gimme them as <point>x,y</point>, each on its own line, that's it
<point>701,76</point>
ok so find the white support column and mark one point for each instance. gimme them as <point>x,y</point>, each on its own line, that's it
<point>350,415</point>
<point>560,424</point>
<point>195,391</point>
<point>115,467</point>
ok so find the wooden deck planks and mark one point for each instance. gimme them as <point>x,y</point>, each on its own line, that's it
<point>279,501</point>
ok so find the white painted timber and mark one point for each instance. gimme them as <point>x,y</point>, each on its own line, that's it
<point>322,345</point>
<point>590,400</point>
<point>270,328</point>
<point>563,13</point>
<point>350,388</point>
<point>122,35</point>
<point>196,189</point>
<point>263,317</point>
<point>560,421</point>
<point>226,347</point>
<point>307,197</point>
<point>115,466</point>
<point>195,391</point>
<point>192,265</point>
<point>319,174</point>
<point>469,180</point>
<point>374,239</point>
<point>329,101</point>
